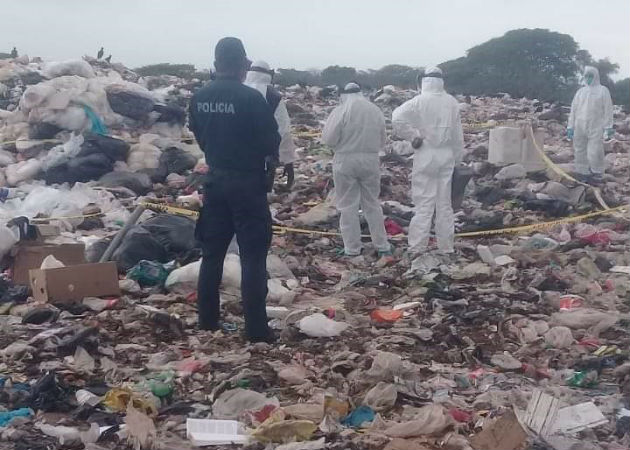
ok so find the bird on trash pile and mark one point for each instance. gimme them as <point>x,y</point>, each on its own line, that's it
<point>100,53</point>
<point>109,59</point>
<point>14,53</point>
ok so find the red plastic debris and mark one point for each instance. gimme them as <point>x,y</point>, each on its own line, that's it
<point>392,227</point>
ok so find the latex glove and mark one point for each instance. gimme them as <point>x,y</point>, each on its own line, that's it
<point>570,133</point>
<point>271,164</point>
<point>609,133</point>
<point>289,172</point>
<point>417,143</point>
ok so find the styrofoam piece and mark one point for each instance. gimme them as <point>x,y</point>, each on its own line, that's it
<point>203,432</point>
<point>405,306</point>
<point>573,419</point>
<point>541,413</point>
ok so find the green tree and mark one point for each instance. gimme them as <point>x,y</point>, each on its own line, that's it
<point>529,63</point>
<point>289,77</point>
<point>396,74</point>
<point>621,93</point>
<point>338,75</point>
<point>176,70</point>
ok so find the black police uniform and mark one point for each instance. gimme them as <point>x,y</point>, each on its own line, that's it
<point>236,130</point>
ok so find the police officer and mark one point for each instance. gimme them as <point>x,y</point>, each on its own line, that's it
<point>238,134</point>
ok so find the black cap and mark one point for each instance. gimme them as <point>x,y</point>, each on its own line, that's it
<point>229,50</point>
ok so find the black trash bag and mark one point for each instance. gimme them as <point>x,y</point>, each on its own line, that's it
<point>128,103</point>
<point>29,78</point>
<point>94,252</point>
<point>16,294</point>
<point>91,167</point>
<point>86,168</point>
<point>554,208</point>
<point>175,233</point>
<point>461,177</point>
<point>49,394</point>
<point>156,175</point>
<point>114,149</point>
<point>140,183</point>
<point>489,195</point>
<point>170,113</point>
<point>137,245</point>
<point>176,160</point>
<point>42,130</point>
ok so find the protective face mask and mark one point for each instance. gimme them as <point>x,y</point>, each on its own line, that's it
<point>589,78</point>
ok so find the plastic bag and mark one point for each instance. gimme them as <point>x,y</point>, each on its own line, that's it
<point>232,403</point>
<point>118,399</point>
<point>318,325</point>
<point>72,118</point>
<point>430,420</point>
<point>385,366</point>
<point>139,183</point>
<point>130,100</point>
<point>176,160</point>
<point>585,318</point>
<point>175,233</point>
<point>148,273</point>
<point>35,95</point>
<point>114,149</point>
<point>137,245</point>
<point>77,67</point>
<point>61,154</point>
<point>285,431</point>
<point>381,397</point>
<point>231,272</point>
<point>559,337</point>
<point>8,238</point>
<point>22,171</point>
<point>6,158</point>
<point>359,416</point>
<point>143,156</point>
<point>184,279</point>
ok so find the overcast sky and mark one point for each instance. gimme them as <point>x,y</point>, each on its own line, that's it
<point>303,34</point>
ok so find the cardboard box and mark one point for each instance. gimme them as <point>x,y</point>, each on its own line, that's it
<point>73,283</point>
<point>30,256</point>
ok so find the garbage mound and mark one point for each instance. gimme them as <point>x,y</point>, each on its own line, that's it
<point>518,341</point>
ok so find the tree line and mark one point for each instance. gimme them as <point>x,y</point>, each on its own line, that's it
<point>533,63</point>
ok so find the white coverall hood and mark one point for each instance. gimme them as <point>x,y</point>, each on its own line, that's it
<point>432,82</point>
<point>434,116</point>
<point>591,114</point>
<point>355,130</point>
<point>590,70</point>
<point>261,81</point>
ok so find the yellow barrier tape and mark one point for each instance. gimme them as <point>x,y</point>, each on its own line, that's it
<point>43,141</point>
<point>549,163</point>
<point>82,216</point>
<point>510,230</point>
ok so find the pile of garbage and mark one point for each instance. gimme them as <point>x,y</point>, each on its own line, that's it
<point>519,341</point>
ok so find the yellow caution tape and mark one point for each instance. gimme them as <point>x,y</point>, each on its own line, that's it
<point>510,230</point>
<point>43,141</point>
<point>82,216</point>
<point>160,207</point>
<point>550,164</point>
<point>543,225</point>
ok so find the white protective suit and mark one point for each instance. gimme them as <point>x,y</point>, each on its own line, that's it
<point>260,81</point>
<point>355,130</point>
<point>433,116</point>
<point>591,114</point>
